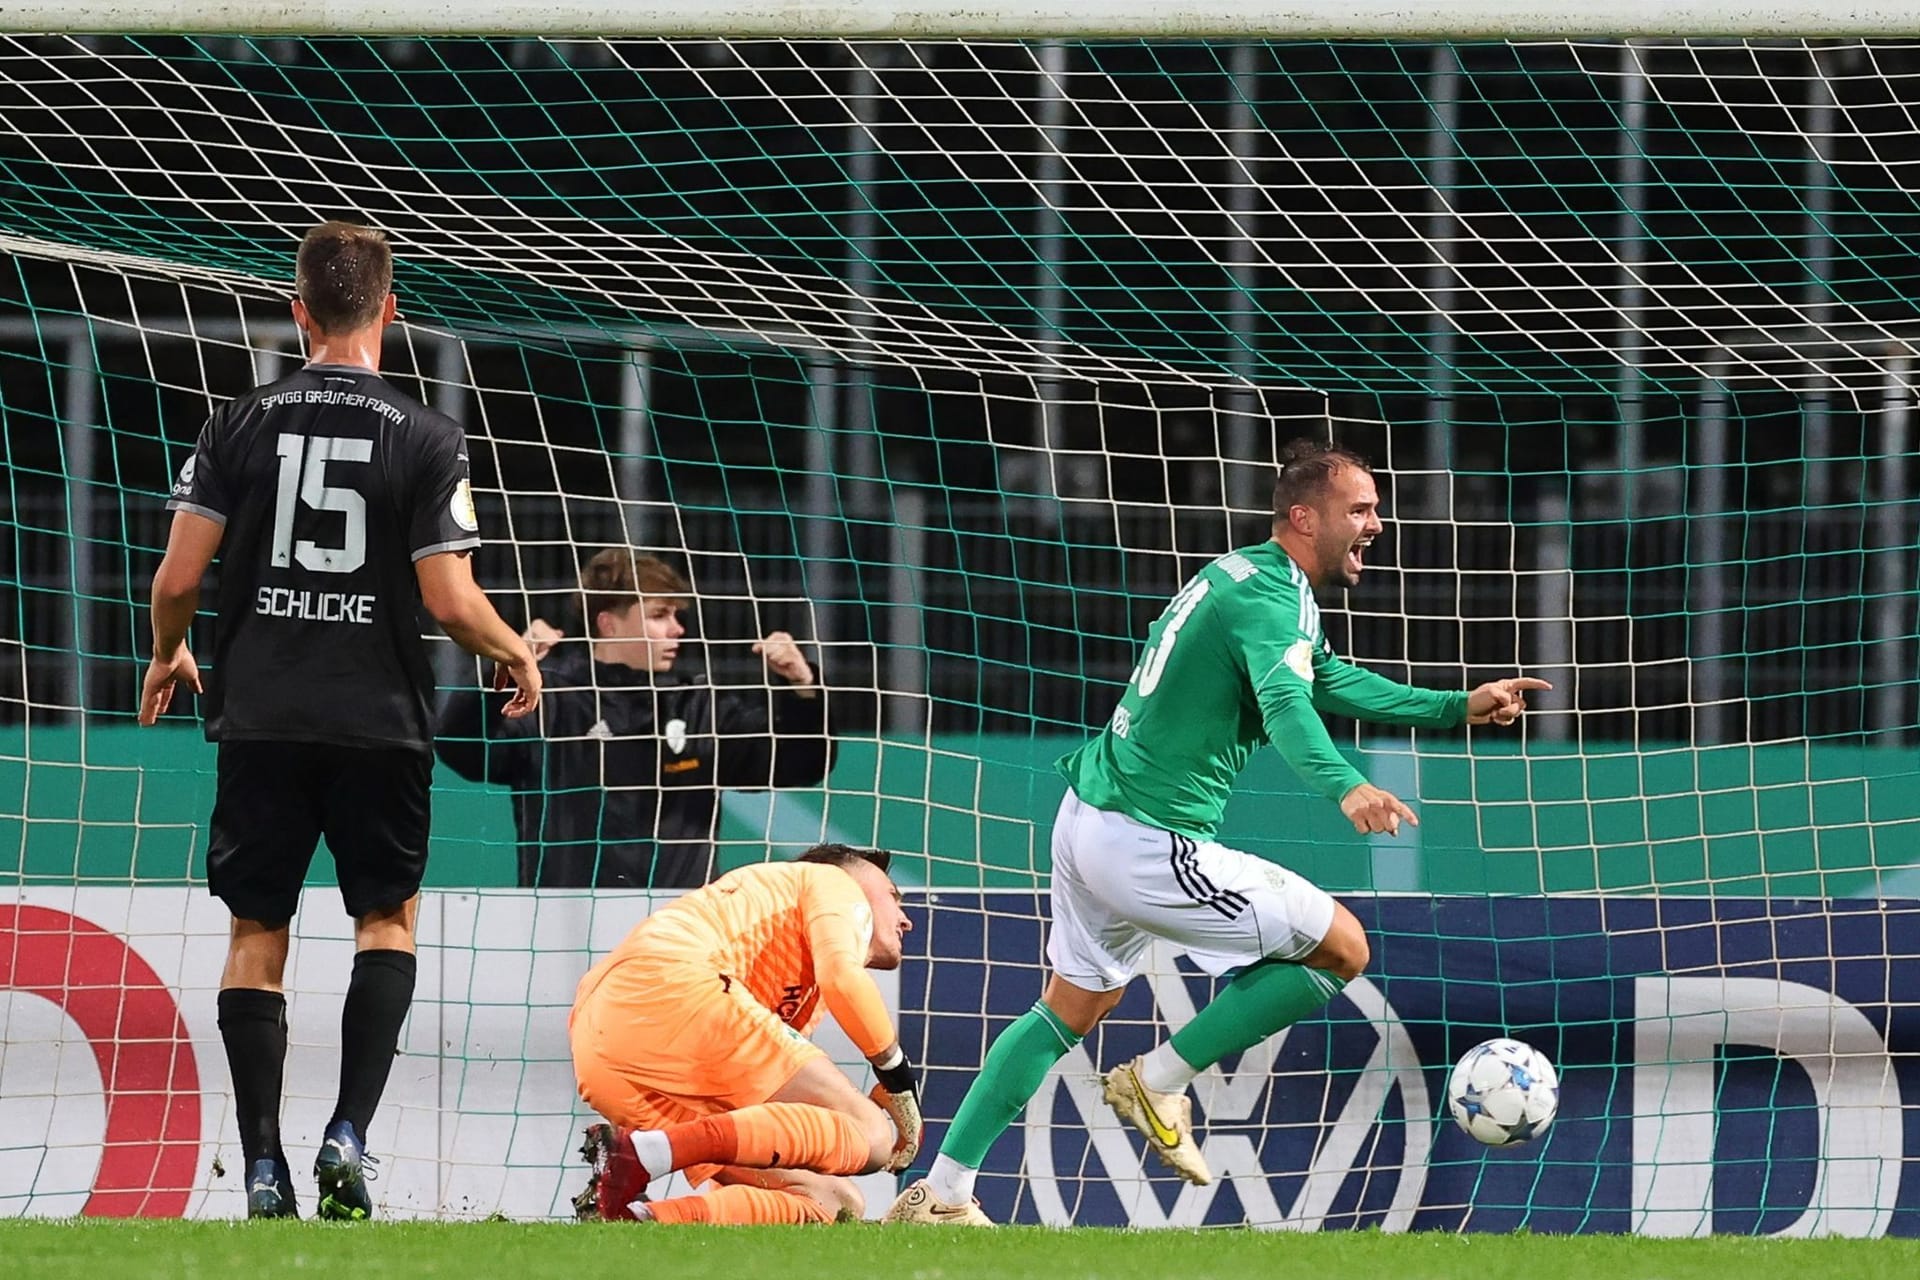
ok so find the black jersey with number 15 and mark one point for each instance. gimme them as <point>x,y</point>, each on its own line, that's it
<point>330,483</point>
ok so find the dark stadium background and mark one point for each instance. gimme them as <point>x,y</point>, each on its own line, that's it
<point>1028,609</point>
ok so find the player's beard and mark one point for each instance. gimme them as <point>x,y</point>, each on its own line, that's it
<point>1340,563</point>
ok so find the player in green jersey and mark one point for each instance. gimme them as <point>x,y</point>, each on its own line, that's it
<point>1237,659</point>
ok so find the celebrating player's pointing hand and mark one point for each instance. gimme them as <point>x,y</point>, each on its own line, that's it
<point>1501,701</point>
<point>1373,810</point>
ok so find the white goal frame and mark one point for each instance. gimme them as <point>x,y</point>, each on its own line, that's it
<point>488,1084</point>
<point>947,19</point>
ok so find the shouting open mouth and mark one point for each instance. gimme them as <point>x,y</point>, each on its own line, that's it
<point>1356,555</point>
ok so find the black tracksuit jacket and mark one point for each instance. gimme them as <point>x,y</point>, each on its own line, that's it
<point>617,777</point>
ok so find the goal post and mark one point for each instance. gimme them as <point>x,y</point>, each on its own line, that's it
<point>953,341</point>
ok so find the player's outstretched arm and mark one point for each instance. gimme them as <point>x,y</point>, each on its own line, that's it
<point>1342,689</point>
<point>837,940</point>
<point>1501,701</point>
<point>462,609</point>
<point>848,990</point>
<point>1300,735</point>
<point>1285,685</point>
<point>192,542</point>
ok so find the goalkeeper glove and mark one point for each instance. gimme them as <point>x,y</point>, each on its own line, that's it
<point>896,1095</point>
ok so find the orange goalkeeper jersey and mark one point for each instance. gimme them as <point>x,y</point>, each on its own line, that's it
<point>794,934</point>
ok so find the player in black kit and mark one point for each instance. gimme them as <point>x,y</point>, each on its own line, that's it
<point>341,506</point>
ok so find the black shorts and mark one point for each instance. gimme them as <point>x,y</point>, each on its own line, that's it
<point>275,800</point>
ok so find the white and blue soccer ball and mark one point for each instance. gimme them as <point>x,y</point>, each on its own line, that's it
<point>1504,1092</point>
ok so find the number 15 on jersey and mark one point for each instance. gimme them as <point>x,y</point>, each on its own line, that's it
<point>303,476</point>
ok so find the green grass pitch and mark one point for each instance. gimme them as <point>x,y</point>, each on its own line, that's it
<point>92,1250</point>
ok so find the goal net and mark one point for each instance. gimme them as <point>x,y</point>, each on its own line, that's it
<point>954,358</point>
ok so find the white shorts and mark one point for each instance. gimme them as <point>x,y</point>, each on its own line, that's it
<point>1118,884</point>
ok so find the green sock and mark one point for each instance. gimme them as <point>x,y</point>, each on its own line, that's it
<point>1017,1062</point>
<point>1260,1001</point>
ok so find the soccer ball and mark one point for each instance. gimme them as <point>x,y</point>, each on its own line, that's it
<point>1504,1092</point>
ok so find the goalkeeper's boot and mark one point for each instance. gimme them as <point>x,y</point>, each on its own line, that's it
<point>1166,1119</point>
<point>918,1205</point>
<point>342,1169</point>
<point>270,1190</point>
<point>618,1178</point>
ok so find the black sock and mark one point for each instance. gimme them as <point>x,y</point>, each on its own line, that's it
<point>377,1000</point>
<point>253,1025</point>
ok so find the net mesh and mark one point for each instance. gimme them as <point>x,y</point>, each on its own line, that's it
<point>954,360</point>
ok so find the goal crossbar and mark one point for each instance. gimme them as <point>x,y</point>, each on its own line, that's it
<point>944,19</point>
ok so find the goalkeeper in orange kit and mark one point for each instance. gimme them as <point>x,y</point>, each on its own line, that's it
<point>691,1038</point>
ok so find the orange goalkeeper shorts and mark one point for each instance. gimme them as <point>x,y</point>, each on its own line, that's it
<point>668,1045</point>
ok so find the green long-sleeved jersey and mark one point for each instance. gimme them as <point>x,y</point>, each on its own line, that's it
<point>1237,658</point>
